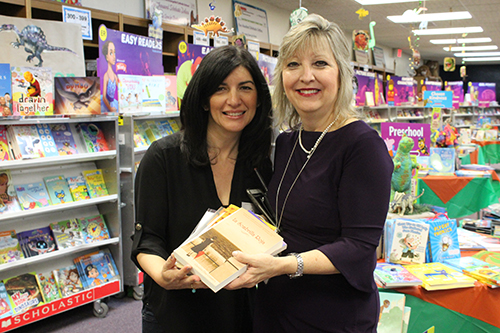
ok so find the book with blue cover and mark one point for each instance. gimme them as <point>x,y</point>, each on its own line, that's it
<point>5,90</point>
<point>443,240</point>
<point>37,241</point>
<point>97,268</point>
<point>49,147</point>
<point>442,161</point>
<point>484,272</point>
<point>64,139</point>
<point>94,228</point>
<point>5,306</point>
<point>58,189</point>
<point>391,275</point>
<point>32,195</point>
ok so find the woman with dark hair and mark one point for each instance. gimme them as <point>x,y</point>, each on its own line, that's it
<point>225,135</point>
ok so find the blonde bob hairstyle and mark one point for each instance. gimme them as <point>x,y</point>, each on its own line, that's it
<point>314,33</point>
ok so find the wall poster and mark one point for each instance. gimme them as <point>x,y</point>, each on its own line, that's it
<point>251,21</point>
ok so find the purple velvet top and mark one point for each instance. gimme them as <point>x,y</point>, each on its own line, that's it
<point>338,205</point>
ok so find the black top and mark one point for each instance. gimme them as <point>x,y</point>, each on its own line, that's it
<point>171,197</point>
<point>338,205</point>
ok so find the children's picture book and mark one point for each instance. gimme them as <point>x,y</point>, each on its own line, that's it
<point>153,93</point>
<point>32,195</point>
<point>77,95</point>
<point>146,132</point>
<point>97,268</point>
<point>96,186</point>
<point>130,93</point>
<point>94,228</point>
<point>67,233</point>
<point>171,92</point>
<point>443,240</point>
<point>58,189</point>
<point>48,285</point>
<point>25,142</point>
<point>5,151</point>
<point>173,124</point>
<point>93,137</point>
<point>49,148</point>
<point>491,257</point>
<point>438,276</point>
<point>139,140</point>
<point>8,196</point>
<point>442,161</point>
<point>24,292</point>
<point>406,319</point>
<point>78,188</point>
<point>68,280</point>
<point>392,306</point>
<point>64,139</point>
<point>409,241</point>
<point>153,125</point>
<point>482,271</point>
<point>5,306</point>
<point>5,91</point>
<point>391,275</point>
<point>32,91</point>
<point>10,249</point>
<point>210,253</point>
<point>36,241</point>
<point>165,127</point>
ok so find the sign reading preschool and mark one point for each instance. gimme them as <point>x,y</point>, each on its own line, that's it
<point>420,133</point>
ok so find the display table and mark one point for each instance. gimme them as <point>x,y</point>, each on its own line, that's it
<point>461,196</point>
<point>474,157</point>
<point>490,150</point>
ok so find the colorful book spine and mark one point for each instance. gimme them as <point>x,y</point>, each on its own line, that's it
<point>5,151</point>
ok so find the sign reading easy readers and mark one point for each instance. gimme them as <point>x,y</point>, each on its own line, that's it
<point>438,99</point>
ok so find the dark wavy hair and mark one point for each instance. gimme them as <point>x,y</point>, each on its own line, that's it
<point>255,140</point>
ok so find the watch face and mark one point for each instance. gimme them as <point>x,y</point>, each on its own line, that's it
<point>297,16</point>
<point>94,229</point>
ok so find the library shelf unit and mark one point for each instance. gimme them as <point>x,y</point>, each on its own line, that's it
<point>33,170</point>
<point>130,157</point>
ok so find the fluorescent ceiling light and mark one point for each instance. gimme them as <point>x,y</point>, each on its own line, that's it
<point>461,40</point>
<point>482,59</point>
<point>411,16</point>
<point>381,2</point>
<point>446,31</point>
<point>477,54</point>
<point>471,48</point>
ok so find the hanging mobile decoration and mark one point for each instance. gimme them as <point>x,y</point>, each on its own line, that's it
<point>215,24</point>
<point>371,42</point>
<point>212,5</point>
<point>362,13</point>
<point>449,64</point>
<point>298,15</point>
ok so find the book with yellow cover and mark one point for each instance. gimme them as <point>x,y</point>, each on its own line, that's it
<point>96,186</point>
<point>210,253</point>
<point>438,276</point>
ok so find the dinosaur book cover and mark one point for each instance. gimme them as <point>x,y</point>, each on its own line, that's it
<point>77,95</point>
<point>32,91</point>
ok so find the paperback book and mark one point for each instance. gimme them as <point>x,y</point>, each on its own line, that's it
<point>96,186</point>
<point>58,189</point>
<point>48,285</point>
<point>491,257</point>
<point>5,151</point>
<point>25,142</point>
<point>5,91</point>
<point>32,91</point>
<point>94,228</point>
<point>443,240</point>
<point>478,269</point>
<point>77,95</point>
<point>67,233</point>
<point>24,292</point>
<point>408,242</point>
<point>391,275</point>
<point>130,93</point>
<point>36,241</point>
<point>139,140</point>
<point>68,280</point>
<point>64,139</point>
<point>210,253</point>
<point>153,93</point>
<point>49,148</point>
<point>392,306</point>
<point>10,249</point>
<point>97,268</point>
<point>171,92</point>
<point>5,306</point>
<point>438,276</point>
<point>442,161</point>
<point>78,188</point>
<point>32,195</point>
<point>93,137</point>
<point>8,196</point>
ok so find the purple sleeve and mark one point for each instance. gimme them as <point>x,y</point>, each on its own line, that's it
<point>364,195</point>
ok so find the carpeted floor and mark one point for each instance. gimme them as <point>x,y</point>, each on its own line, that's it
<point>124,315</point>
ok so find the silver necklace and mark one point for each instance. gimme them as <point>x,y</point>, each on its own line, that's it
<point>309,152</point>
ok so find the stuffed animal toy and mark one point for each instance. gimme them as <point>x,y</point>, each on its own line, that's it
<point>403,166</point>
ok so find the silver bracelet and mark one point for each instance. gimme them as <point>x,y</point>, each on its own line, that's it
<point>300,266</point>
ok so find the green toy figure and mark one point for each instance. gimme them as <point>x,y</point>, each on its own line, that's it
<point>403,166</point>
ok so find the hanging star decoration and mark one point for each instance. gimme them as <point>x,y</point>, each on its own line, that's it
<point>362,13</point>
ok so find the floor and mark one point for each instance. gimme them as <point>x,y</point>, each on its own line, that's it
<point>124,315</point>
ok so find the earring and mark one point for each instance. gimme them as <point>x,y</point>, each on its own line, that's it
<point>206,108</point>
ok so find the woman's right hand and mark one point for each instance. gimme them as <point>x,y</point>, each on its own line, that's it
<point>173,277</point>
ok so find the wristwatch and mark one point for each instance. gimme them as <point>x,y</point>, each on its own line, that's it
<point>300,266</point>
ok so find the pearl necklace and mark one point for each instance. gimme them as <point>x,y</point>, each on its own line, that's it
<point>310,152</point>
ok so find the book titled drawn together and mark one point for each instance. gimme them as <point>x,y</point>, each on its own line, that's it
<point>32,91</point>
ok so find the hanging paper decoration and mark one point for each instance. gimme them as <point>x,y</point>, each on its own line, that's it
<point>360,39</point>
<point>211,5</point>
<point>214,24</point>
<point>297,16</point>
<point>371,42</point>
<point>449,64</point>
<point>362,13</point>
<point>463,72</point>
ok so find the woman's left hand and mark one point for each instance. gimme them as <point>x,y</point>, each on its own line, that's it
<point>260,268</point>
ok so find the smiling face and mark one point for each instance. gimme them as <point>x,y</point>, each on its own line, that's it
<point>233,105</point>
<point>311,81</point>
<point>111,56</point>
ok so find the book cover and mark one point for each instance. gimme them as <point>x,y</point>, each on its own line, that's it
<point>67,233</point>
<point>139,140</point>
<point>48,286</point>
<point>409,242</point>
<point>153,93</point>
<point>171,92</point>
<point>443,240</point>
<point>26,142</point>
<point>64,139</point>
<point>491,257</point>
<point>466,240</point>
<point>210,253</point>
<point>442,161</point>
<point>49,148</point>
<point>155,129</point>
<point>8,196</point>
<point>32,91</point>
<point>129,93</point>
<point>37,241</point>
<point>392,306</point>
<point>78,188</point>
<point>24,292</point>
<point>173,124</point>
<point>438,276</point>
<point>5,151</point>
<point>5,90</point>
<point>77,95</point>
<point>5,306</point>
<point>32,195</point>
<point>58,189</point>
<point>98,268</point>
<point>165,127</point>
<point>391,275</point>
<point>93,137</point>
<point>96,186</point>
<point>10,249</point>
<point>478,269</point>
<point>406,319</point>
<point>68,280</point>
<point>94,228</point>
<point>146,132</point>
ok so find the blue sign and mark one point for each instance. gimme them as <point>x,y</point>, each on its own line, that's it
<point>438,99</point>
